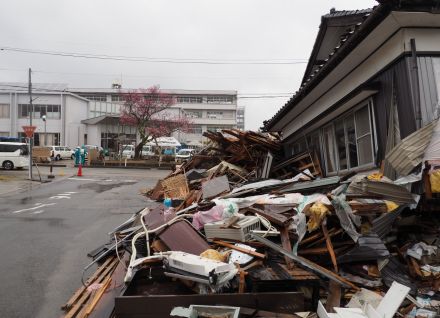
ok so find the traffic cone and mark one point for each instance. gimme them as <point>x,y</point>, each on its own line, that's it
<point>80,172</point>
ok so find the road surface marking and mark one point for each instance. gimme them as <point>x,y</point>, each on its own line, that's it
<point>34,208</point>
<point>38,212</point>
<point>59,197</point>
<point>83,179</point>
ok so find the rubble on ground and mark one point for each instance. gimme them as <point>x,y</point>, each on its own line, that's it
<point>244,231</point>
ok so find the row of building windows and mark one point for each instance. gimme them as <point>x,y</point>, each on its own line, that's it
<point>50,111</point>
<point>220,99</point>
<point>344,144</point>
<point>187,99</point>
<point>209,114</point>
<point>197,129</point>
<point>95,97</point>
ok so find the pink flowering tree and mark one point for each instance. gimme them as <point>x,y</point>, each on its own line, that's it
<point>146,109</point>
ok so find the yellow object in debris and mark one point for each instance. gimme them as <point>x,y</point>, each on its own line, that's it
<point>316,214</point>
<point>391,206</point>
<point>214,255</point>
<point>434,178</point>
<point>61,174</point>
<point>375,176</point>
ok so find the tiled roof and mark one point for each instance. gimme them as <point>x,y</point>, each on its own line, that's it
<point>283,110</point>
<point>333,13</point>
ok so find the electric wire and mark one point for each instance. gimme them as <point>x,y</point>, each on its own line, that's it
<point>152,59</point>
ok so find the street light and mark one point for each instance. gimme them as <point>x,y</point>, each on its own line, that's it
<point>45,135</point>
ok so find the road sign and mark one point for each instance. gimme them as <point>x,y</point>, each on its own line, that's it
<point>29,130</point>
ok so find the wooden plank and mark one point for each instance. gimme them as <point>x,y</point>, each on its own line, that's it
<point>85,296</point>
<point>329,246</point>
<point>97,297</point>
<point>275,218</point>
<point>286,244</point>
<point>334,296</point>
<point>240,249</point>
<point>79,292</point>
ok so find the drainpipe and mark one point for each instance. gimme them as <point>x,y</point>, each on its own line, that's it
<point>415,83</point>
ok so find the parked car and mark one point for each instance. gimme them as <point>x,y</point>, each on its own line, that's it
<point>14,155</point>
<point>184,154</point>
<point>128,151</point>
<point>60,152</point>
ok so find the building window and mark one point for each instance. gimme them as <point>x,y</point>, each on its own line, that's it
<point>348,141</point>
<point>215,114</point>
<point>193,113</point>
<point>195,129</point>
<point>329,149</point>
<point>4,110</point>
<point>220,100</point>
<point>95,97</point>
<point>218,128</point>
<point>189,99</point>
<point>364,138</point>
<point>118,98</point>
<point>51,111</point>
<point>42,139</point>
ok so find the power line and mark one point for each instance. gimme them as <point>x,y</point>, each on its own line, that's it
<point>137,76</point>
<point>46,90</point>
<point>154,59</point>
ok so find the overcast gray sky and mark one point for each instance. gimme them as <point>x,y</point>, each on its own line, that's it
<point>244,30</point>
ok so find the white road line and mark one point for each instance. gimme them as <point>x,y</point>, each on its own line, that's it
<point>70,192</point>
<point>38,212</point>
<point>57,197</point>
<point>34,208</point>
<point>83,179</point>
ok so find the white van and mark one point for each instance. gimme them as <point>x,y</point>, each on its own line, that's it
<point>60,152</point>
<point>14,155</point>
<point>128,151</point>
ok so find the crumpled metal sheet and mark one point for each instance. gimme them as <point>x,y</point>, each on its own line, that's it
<point>369,248</point>
<point>395,271</point>
<point>214,187</point>
<point>346,217</point>
<point>382,225</point>
<point>409,153</point>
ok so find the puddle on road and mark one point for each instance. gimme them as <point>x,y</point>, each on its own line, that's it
<point>99,188</point>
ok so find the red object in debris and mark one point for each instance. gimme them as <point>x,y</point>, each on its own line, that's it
<point>29,130</point>
<point>80,172</point>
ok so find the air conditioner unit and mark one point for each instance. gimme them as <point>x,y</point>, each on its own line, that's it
<point>245,225</point>
<point>197,267</point>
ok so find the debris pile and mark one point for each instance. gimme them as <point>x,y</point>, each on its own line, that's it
<point>239,226</point>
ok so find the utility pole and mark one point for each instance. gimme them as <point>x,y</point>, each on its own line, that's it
<point>31,114</point>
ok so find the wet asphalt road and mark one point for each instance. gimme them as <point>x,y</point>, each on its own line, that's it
<point>46,232</point>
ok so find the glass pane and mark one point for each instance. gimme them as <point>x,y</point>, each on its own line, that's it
<point>340,144</point>
<point>329,150</point>
<point>351,138</point>
<point>362,122</point>
<point>365,150</point>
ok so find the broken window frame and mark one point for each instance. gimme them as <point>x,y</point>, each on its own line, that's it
<point>371,134</point>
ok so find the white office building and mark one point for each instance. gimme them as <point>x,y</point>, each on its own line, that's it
<point>63,110</point>
<point>207,110</point>
<point>90,116</point>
